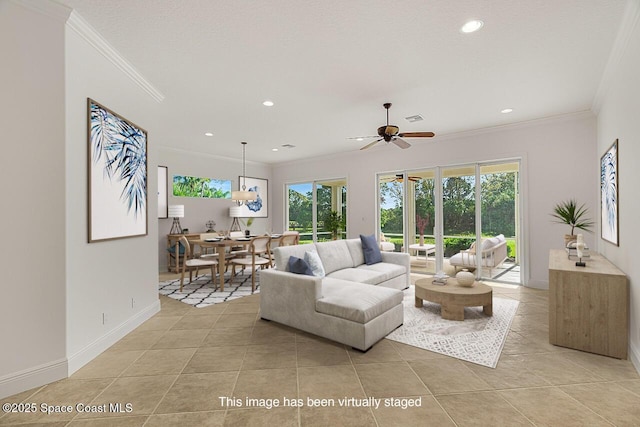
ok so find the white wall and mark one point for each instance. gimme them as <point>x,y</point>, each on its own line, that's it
<point>556,153</point>
<point>32,307</point>
<point>618,119</point>
<point>104,277</point>
<point>199,211</point>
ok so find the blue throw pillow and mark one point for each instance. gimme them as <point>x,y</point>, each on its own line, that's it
<point>299,266</point>
<point>371,249</point>
<point>181,248</point>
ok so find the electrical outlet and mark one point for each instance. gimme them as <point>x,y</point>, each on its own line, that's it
<point>133,303</point>
<point>104,318</point>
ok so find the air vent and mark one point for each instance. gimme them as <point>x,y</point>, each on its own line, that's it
<point>416,118</point>
<point>288,146</point>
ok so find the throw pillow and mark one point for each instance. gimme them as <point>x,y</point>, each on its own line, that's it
<point>315,263</point>
<point>299,266</point>
<point>371,250</point>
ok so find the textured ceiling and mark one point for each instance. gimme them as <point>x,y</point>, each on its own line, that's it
<point>330,65</point>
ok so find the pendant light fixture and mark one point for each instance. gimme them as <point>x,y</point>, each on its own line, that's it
<point>241,196</point>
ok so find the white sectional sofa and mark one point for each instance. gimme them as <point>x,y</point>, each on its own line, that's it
<point>354,303</point>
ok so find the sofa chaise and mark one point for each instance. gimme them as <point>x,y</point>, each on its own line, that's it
<point>353,302</point>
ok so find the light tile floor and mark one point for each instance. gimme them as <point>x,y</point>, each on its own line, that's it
<point>174,368</point>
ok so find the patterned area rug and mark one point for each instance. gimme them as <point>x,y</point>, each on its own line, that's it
<point>479,339</point>
<point>201,293</point>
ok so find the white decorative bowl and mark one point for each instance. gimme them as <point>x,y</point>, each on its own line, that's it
<point>465,278</point>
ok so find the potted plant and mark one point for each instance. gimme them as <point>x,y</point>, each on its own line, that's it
<point>333,223</point>
<point>247,231</point>
<point>568,212</point>
<point>421,224</point>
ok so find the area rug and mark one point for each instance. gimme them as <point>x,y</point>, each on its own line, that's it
<point>479,339</point>
<point>201,292</point>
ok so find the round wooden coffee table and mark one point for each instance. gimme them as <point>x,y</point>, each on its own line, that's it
<point>454,298</point>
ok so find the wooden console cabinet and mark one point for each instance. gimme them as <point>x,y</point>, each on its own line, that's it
<point>588,306</point>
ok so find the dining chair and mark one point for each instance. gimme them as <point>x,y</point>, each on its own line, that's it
<point>206,252</point>
<point>258,247</point>
<point>196,264</point>
<point>289,238</point>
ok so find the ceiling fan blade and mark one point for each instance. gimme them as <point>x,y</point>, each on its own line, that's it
<point>417,134</point>
<point>362,137</point>
<point>371,144</point>
<point>401,143</point>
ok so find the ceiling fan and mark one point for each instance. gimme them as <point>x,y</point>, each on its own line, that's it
<point>390,133</point>
<point>400,177</point>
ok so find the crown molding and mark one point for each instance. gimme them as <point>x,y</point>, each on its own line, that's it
<point>210,155</point>
<point>627,26</point>
<point>560,118</point>
<point>48,8</point>
<point>99,43</point>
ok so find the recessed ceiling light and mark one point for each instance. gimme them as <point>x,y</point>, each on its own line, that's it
<point>208,134</point>
<point>268,103</point>
<point>506,110</point>
<point>274,149</point>
<point>472,26</point>
<point>359,139</point>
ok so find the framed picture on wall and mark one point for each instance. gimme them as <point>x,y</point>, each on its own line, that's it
<point>258,208</point>
<point>609,195</point>
<point>117,175</point>
<point>163,194</point>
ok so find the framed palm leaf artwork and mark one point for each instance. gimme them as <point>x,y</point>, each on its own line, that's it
<point>117,172</point>
<point>609,195</point>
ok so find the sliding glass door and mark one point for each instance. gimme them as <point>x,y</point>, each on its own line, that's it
<point>317,209</point>
<point>437,215</point>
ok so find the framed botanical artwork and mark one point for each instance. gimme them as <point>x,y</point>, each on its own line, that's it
<point>163,192</point>
<point>258,208</point>
<point>208,188</point>
<point>609,195</point>
<point>117,173</point>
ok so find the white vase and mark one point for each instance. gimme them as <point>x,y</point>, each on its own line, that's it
<point>465,278</point>
<point>421,240</point>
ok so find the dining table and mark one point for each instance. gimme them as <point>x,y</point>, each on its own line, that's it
<point>220,245</point>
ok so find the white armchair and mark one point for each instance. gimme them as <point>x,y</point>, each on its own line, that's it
<point>386,246</point>
<point>493,252</point>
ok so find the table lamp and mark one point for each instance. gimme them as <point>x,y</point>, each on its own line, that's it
<point>177,212</point>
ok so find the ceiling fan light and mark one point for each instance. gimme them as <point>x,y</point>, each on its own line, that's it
<point>472,26</point>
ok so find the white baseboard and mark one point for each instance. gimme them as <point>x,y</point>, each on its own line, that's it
<point>59,369</point>
<point>92,350</point>
<point>538,284</point>
<point>18,382</point>
<point>634,356</point>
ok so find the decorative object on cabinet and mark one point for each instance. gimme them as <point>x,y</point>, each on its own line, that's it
<point>117,176</point>
<point>568,212</point>
<point>211,225</point>
<point>176,212</point>
<point>243,195</point>
<point>163,195</point>
<point>588,307</point>
<point>609,195</point>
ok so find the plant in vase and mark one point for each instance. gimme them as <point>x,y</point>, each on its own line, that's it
<point>247,231</point>
<point>333,222</point>
<point>568,212</point>
<point>421,224</point>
